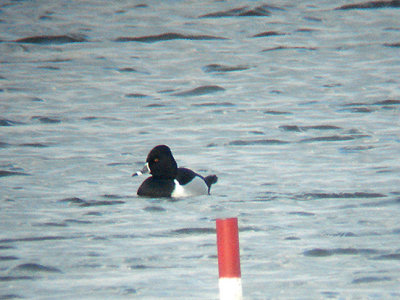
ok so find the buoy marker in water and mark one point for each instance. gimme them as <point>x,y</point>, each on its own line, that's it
<point>230,281</point>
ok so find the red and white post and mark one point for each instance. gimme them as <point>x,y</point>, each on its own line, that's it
<point>230,282</point>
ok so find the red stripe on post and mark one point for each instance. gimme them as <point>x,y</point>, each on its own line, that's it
<point>228,248</point>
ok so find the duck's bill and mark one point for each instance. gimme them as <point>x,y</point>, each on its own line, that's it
<point>145,170</point>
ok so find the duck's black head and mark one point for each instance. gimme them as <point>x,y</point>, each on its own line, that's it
<point>161,162</point>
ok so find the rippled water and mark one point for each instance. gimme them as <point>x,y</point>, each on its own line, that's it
<point>295,106</point>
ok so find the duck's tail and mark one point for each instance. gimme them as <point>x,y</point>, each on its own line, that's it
<point>210,179</point>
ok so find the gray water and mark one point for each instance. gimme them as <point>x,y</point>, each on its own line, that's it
<point>295,106</point>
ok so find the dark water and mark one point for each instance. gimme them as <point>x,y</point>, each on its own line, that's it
<point>295,106</point>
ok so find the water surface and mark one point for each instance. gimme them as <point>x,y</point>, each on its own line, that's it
<point>294,106</point>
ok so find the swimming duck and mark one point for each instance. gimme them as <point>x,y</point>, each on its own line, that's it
<point>168,180</point>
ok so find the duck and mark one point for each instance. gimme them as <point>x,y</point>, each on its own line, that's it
<point>167,180</point>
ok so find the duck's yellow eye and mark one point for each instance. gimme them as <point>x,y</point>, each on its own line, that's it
<point>156,160</point>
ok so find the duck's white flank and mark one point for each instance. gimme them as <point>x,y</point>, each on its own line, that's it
<point>194,188</point>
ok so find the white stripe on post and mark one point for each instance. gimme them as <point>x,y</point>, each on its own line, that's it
<point>230,282</point>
